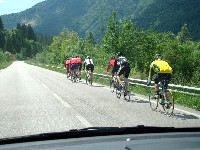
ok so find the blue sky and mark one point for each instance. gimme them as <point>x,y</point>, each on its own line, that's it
<point>15,6</point>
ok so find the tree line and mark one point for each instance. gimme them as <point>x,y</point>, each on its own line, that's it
<point>138,46</point>
<point>22,41</point>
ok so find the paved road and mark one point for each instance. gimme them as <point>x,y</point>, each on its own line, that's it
<point>35,100</point>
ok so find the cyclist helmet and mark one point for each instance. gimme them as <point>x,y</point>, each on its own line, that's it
<point>158,56</point>
<point>120,54</point>
<point>113,57</point>
<point>88,57</point>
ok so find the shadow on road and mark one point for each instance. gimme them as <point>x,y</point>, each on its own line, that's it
<point>184,116</point>
<point>137,100</point>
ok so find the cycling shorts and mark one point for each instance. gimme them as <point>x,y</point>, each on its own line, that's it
<point>115,70</point>
<point>90,66</point>
<point>163,76</point>
<point>67,67</point>
<point>74,66</point>
<point>125,71</point>
<point>80,66</point>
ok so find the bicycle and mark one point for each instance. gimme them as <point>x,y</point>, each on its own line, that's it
<point>75,77</point>
<point>113,84</point>
<point>165,99</point>
<point>88,77</point>
<point>122,91</point>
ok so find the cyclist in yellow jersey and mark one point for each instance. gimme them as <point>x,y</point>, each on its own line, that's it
<point>163,71</point>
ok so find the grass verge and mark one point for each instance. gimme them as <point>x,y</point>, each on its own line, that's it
<point>4,65</point>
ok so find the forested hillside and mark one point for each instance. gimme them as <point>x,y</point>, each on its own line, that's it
<point>22,41</point>
<point>170,15</point>
<point>84,16</point>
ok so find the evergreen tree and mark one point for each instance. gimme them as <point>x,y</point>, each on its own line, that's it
<point>184,34</point>
<point>90,38</point>
<point>2,36</point>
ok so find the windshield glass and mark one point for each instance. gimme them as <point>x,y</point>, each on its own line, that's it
<point>90,63</point>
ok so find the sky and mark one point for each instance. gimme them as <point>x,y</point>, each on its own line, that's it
<point>15,6</point>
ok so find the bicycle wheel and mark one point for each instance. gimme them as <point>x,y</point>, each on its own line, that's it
<point>112,85</point>
<point>118,92</point>
<point>127,96</point>
<point>153,101</point>
<point>168,105</point>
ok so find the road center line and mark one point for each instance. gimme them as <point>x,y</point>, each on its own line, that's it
<point>61,100</point>
<point>83,121</point>
<point>44,85</point>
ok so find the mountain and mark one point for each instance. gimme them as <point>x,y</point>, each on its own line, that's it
<point>84,16</point>
<point>171,15</point>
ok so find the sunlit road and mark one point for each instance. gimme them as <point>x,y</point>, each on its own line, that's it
<point>35,100</point>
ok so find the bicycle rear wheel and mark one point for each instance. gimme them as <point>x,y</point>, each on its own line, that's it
<point>168,103</point>
<point>153,101</point>
<point>118,92</point>
<point>113,85</point>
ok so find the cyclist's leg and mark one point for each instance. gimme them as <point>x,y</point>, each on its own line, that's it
<point>126,75</point>
<point>167,80</point>
<point>156,86</point>
<point>80,67</point>
<point>92,69</point>
<point>120,72</point>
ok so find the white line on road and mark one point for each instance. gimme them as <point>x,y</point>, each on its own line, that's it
<point>44,85</point>
<point>174,108</point>
<point>61,100</point>
<point>83,121</point>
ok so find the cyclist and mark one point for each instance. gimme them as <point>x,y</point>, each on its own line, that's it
<point>163,71</point>
<point>88,64</point>
<point>67,66</point>
<point>79,61</point>
<point>113,64</point>
<point>124,69</point>
<point>74,66</point>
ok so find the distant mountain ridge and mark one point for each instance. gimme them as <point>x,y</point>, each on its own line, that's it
<point>83,16</point>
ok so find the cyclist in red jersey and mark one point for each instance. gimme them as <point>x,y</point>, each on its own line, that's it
<point>74,65</point>
<point>67,66</point>
<point>114,65</point>
<point>79,61</point>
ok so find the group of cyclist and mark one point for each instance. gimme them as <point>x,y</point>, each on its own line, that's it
<point>160,68</point>
<point>120,66</point>
<point>74,65</point>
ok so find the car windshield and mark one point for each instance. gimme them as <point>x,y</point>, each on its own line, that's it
<point>73,64</point>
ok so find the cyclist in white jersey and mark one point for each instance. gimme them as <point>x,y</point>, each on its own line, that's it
<point>89,65</point>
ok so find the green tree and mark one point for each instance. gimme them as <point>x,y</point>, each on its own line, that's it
<point>90,38</point>
<point>184,34</point>
<point>110,39</point>
<point>2,35</point>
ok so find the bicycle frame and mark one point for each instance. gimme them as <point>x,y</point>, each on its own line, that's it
<point>165,97</point>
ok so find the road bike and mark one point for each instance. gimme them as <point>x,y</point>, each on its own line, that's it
<point>75,77</point>
<point>165,99</point>
<point>121,90</point>
<point>88,77</point>
<point>113,84</point>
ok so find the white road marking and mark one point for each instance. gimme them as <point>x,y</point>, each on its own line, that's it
<point>174,108</point>
<point>83,121</point>
<point>61,100</point>
<point>44,85</point>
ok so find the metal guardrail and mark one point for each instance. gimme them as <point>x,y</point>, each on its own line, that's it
<point>174,87</point>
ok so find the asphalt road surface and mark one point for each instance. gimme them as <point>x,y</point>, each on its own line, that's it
<point>35,100</point>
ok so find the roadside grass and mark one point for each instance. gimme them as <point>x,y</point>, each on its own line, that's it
<point>4,65</point>
<point>184,99</point>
